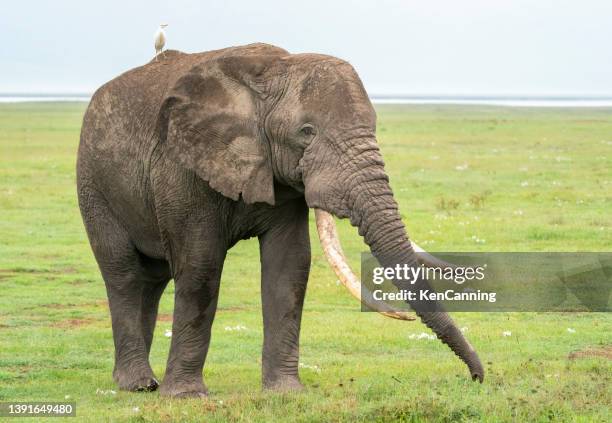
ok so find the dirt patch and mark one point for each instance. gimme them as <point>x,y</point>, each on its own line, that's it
<point>19,371</point>
<point>72,323</point>
<point>58,306</point>
<point>230,309</point>
<point>166,317</point>
<point>28,270</point>
<point>78,282</point>
<point>40,271</point>
<point>603,352</point>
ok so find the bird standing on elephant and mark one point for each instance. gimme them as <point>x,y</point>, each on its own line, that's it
<point>177,163</point>
<point>160,39</point>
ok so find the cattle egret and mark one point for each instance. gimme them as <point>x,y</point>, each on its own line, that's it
<point>160,39</point>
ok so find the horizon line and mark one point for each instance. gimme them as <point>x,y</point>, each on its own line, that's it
<point>382,96</point>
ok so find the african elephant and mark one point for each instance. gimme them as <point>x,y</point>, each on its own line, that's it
<point>181,158</point>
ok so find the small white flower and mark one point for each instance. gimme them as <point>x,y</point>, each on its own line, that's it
<point>311,367</point>
<point>462,167</point>
<point>507,333</point>
<point>478,240</point>
<point>518,212</point>
<point>570,330</point>
<point>136,409</point>
<point>220,402</point>
<point>464,329</point>
<point>233,328</point>
<point>66,396</point>
<point>524,184</point>
<point>422,335</point>
<point>168,333</point>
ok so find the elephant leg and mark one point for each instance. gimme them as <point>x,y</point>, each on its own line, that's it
<point>285,261</point>
<point>128,280</point>
<point>151,294</point>
<point>195,304</point>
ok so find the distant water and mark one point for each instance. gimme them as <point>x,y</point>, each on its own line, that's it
<point>499,101</point>
<point>16,98</point>
<point>483,101</point>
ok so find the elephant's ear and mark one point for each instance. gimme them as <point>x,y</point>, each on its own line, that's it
<point>211,125</point>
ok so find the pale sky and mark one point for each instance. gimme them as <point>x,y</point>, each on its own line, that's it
<point>409,47</point>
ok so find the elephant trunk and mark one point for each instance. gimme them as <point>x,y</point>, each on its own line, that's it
<point>371,207</point>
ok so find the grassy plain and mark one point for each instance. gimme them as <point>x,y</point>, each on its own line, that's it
<point>466,178</point>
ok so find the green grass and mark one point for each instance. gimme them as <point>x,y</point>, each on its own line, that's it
<point>466,179</point>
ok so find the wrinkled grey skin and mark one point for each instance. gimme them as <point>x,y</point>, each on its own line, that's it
<point>185,156</point>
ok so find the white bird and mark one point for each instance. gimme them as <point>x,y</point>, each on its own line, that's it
<point>160,39</point>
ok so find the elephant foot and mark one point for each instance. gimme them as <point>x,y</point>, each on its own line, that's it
<point>128,381</point>
<point>183,390</point>
<point>284,384</point>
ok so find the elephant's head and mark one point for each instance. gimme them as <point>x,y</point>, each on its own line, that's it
<point>251,116</point>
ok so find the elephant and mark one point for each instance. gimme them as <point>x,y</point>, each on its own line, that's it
<point>181,158</point>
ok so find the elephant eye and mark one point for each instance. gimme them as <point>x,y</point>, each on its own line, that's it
<point>308,130</point>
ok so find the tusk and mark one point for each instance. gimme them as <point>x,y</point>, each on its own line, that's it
<point>326,227</point>
<point>428,260</point>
